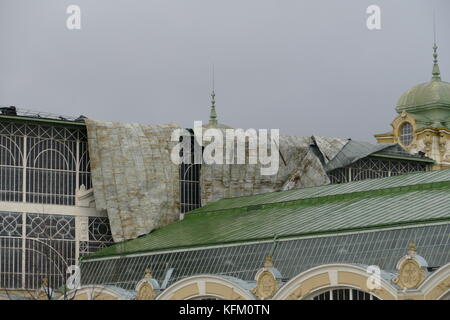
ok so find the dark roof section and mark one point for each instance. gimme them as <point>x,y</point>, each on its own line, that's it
<point>18,114</point>
<point>356,150</point>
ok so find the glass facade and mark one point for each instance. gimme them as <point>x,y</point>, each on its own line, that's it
<point>43,164</point>
<point>291,257</point>
<point>36,246</point>
<point>190,197</point>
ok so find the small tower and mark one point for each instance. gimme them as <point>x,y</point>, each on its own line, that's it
<point>213,122</point>
<point>423,121</point>
<point>212,113</point>
<point>436,72</point>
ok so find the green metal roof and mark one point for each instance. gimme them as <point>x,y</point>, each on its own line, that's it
<point>433,93</point>
<point>411,199</point>
<point>429,102</point>
<point>425,94</point>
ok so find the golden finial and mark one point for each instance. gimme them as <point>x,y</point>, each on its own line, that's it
<point>412,247</point>
<point>268,262</point>
<point>148,273</point>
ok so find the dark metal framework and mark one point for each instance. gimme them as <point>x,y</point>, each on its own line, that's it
<point>190,197</point>
<point>375,167</point>
<point>36,246</point>
<point>43,164</point>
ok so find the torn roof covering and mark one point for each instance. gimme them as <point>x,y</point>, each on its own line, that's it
<point>333,157</point>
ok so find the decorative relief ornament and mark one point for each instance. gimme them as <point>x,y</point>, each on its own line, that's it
<point>266,285</point>
<point>82,228</point>
<point>145,292</point>
<point>412,248</point>
<point>148,273</point>
<point>268,262</point>
<point>443,144</point>
<point>410,276</point>
<point>267,282</point>
<point>428,142</point>
<point>411,269</point>
<point>147,288</point>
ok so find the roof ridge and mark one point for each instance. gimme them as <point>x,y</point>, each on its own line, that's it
<point>334,197</point>
<point>378,206</point>
<point>204,209</point>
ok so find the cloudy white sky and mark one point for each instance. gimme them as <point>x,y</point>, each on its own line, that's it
<point>305,67</point>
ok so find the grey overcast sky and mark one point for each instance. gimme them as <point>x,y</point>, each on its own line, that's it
<point>303,66</point>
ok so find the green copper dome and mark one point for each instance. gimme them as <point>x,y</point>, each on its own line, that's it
<point>435,93</point>
<point>432,93</point>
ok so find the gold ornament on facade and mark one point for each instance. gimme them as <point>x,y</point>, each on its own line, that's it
<point>266,285</point>
<point>148,273</point>
<point>268,262</point>
<point>145,289</point>
<point>145,292</point>
<point>428,142</point>
<point>443,138</point>
<point>412,248</point>
<point>411,273</point>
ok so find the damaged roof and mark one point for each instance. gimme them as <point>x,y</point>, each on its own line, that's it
<point>353,151</point>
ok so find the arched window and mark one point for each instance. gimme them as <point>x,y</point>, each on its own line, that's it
<point>344,294</point>
<point>406,134</point>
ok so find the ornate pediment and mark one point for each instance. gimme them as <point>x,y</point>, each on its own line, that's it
<point>267,280</point>
<point>412,269</point>
<point>147,288</point>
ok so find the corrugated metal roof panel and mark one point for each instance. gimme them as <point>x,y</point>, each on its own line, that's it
<point>406,200</point>
<point>415,178</point>
<point>356,150</point>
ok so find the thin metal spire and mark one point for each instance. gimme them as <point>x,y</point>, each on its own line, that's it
<point>213,114</point>
<point>436,71</point>
<point>434,25</point>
